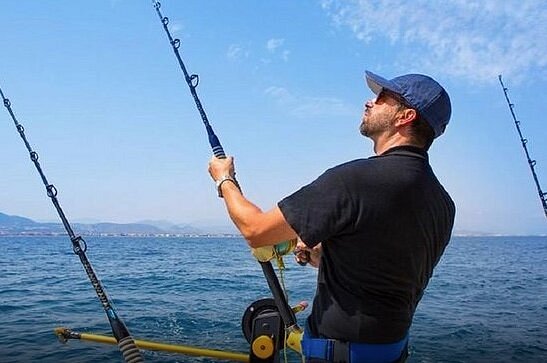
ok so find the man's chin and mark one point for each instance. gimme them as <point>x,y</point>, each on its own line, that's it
<point>363,129</point>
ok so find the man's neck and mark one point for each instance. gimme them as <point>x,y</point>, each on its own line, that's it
<point>384,143</point>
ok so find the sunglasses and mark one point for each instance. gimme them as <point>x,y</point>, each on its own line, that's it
<point>395,96</point>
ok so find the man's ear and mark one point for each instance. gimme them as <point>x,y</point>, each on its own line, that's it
<point>406,116</point>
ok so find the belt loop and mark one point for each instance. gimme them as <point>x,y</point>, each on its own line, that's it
<point>340,352</point>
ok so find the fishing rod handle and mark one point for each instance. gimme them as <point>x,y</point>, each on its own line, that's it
<point>131,353</point>
<point>126,343</point>
<point>218,150</point>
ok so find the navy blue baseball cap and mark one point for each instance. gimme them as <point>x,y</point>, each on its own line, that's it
<point>420,92</point>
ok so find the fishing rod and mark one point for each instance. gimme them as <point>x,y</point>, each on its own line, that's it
<point>192,81</point>
<point>125,342</point>
<point>531,163</point>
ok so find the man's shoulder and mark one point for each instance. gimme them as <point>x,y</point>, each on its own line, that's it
<point>354,164</point>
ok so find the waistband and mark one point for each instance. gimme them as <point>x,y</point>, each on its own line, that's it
<point>347,352</point>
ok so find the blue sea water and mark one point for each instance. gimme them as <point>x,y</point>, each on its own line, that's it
<point>487,300</point>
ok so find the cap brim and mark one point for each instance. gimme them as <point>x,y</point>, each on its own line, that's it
<point>377,83</point>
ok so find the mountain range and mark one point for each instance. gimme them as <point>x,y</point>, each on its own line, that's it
<point>17,225</point>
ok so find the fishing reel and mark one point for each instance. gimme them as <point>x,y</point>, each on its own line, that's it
<point>262,323</point>
<point>264,329</point>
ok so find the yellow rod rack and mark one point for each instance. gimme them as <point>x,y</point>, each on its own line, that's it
<point>64,334</point>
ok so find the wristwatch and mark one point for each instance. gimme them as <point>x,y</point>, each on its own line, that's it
<point>221,181</point>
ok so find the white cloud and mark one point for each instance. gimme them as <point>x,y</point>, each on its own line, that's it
<point>472,39</point>
<point>306,106</point>
<point>273,44</point>
<point>279,93</point>
<point>285,55</point>
<point>276,45</point>
<point>236,52</point>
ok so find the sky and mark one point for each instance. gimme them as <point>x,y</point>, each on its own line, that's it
<point>103,101</point>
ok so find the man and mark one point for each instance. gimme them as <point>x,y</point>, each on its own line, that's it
<point>382,224</point>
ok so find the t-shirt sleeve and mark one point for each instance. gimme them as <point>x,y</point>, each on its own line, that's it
<point>320,210</point>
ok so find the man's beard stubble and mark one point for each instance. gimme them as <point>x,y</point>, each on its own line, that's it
<point>371,126</point>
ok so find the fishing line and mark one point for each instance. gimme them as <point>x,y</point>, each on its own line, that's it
<point>126,343</point>
<point>285,310</point>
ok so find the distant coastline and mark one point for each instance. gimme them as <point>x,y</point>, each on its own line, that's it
<point>4,234</point>
<point>18,226</point>
<point>213,235</point>
<point>11,225</point>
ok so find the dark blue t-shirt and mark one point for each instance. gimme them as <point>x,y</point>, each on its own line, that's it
<point>383,223</point>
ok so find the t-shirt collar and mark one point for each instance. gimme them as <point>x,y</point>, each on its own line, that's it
<point>407,148</point>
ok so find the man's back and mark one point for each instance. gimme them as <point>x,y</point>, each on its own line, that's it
<point>385,222</point>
